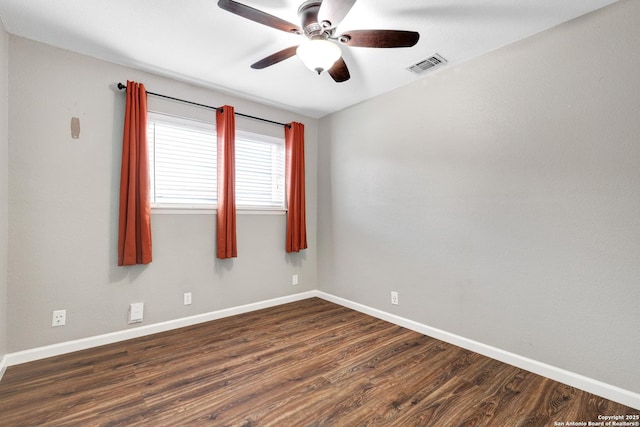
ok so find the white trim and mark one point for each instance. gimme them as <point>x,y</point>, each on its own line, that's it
<point>160,209</point>
<point>572,379</point>
<point>208,125</point>
<point>182,211</point>
<point>98,340</point>
<point>608,391</point>
<point>259,211</point>
<point>3,365</point>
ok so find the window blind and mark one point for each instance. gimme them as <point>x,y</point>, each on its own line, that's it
<point>183,164</point>
<point>259,171</point>
<point>183,159</point>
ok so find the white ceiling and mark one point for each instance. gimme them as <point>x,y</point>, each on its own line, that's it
<point>196,41</point>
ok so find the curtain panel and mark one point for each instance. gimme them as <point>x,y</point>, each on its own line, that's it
<point>296,214</point>
<point>227,246</point>
<point>134,223</point>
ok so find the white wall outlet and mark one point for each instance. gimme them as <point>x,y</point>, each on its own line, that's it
<point>187,298</point>
<point>59,318</point>
<point>294,280</point>
<point>394,298</point>
<point>136,312</point>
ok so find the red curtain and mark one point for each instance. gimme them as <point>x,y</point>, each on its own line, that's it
<point>227,246</point>
<point>296,215</point>
<point>134,224</point>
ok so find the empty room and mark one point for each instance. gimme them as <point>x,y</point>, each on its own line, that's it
<point>320,213</point>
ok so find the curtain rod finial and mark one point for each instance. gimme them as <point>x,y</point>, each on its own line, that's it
<point>121,86</point>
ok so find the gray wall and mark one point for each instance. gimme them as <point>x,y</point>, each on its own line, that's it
<point>4,155</point>
<point>500,198</point>
<point>63,204</point>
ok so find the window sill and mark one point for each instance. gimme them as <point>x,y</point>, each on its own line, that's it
<point>202,210</point>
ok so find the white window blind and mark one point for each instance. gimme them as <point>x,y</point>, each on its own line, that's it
<point>183,165</point>
<point>259,171</point>
<point>183,161</point>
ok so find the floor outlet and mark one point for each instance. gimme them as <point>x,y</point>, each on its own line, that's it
<point>394,298</point>
<point>187,298</point>
<point>59,318</point>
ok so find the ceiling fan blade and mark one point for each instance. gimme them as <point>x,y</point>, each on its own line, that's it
<point>339,72</point>
<point>258,16</point>
<point>379,38</point>
<point>334,11</point>
<point>275,58</point>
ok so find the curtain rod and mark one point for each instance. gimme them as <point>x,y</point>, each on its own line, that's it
<point>124,87</point>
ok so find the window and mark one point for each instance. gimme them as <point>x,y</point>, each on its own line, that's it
<point>183,163</point>
<point>259,171</point>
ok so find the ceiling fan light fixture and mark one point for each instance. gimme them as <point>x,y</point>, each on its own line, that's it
<point>319,54</point>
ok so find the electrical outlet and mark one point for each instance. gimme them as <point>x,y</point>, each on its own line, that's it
<point>394,298</point>
<point>187,298</point>
<point>294,280</point>
<point>59,318</point>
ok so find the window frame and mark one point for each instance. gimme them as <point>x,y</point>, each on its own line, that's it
<point>211,208</point>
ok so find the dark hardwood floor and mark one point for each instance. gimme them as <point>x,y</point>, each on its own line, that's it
<point>308,363</point>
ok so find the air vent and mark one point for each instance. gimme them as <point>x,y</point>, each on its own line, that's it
<point>427,64</point>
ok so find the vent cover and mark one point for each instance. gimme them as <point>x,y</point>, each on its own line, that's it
<point>427,64</point>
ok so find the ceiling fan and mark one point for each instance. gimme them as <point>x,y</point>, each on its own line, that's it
<point>321,51</point>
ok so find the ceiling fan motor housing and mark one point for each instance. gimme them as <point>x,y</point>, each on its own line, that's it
<point>308,13</point>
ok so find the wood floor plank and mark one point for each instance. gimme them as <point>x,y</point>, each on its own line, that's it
<point>308,363</point>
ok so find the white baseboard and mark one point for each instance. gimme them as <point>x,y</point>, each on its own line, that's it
<point>572,379</point>
<point>3,366</point>
<point>98,340</point>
